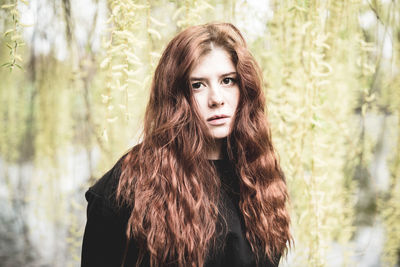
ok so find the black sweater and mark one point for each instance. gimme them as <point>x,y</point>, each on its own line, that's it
<point>104,239</point>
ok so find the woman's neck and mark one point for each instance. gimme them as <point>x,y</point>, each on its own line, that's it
<point>215,151</point>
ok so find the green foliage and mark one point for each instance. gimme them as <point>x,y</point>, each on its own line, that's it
<point>311,96</point>
<point>123,65</point>
<point>13,35</point>
<point>389,203</point>
<point>191,12</point>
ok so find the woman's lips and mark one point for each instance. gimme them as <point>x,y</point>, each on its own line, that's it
<point>218,121</point>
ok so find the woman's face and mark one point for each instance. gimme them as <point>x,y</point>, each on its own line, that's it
<point>215,89</point>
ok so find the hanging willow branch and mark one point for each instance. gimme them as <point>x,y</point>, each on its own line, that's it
<point>311,97</point>
<point>191,12</point>
<point>13,35</point>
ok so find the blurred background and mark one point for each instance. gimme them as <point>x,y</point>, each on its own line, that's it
<point>74,83</point>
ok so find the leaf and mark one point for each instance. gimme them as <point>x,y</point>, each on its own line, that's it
<point>155,33</point>
<point>8,32</point>
<point>155,54</point>
<point>140,6</point>
<point>116,10</point>
<point>18,57</point>
<point>119,67</point>
<point>15,37</point>
<point>7,6</point>
<point>105,62</point>
<point>122,87</point>
<point>157,22</point>
<point>116,75</point>
<point>105,98</point>
<point>370,98</point>
<point>111,120</point>
<point>25,25</point>
<point>131,73</point>
<point>305,27</point>
<point>125,34</point>
<point>207,5</point>
<point>131,55</point>
<point>177,13</point>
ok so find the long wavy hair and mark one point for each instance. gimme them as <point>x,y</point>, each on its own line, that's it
<point>173,189</point>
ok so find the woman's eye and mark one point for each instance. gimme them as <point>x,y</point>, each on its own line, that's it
<point>196,85</point>
<point>228,81</point>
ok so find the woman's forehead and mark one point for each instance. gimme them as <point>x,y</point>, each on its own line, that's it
<point>218,61</point>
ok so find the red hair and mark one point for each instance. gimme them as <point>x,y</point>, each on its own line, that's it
<point>168,182</point>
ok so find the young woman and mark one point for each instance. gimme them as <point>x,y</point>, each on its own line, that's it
<point>204,187</point>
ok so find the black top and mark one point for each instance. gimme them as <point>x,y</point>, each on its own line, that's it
<point>104,238</point>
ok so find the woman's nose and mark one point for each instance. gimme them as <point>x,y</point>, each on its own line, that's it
<point>215,98</point>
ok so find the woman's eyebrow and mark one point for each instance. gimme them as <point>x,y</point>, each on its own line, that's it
<point>203,79</point>
<point>229,73</point>
<point>197,79</point>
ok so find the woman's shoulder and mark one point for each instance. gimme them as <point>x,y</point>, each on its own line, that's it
<point>104,190</point>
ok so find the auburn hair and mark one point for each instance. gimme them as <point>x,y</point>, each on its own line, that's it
<point>173,189</point>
